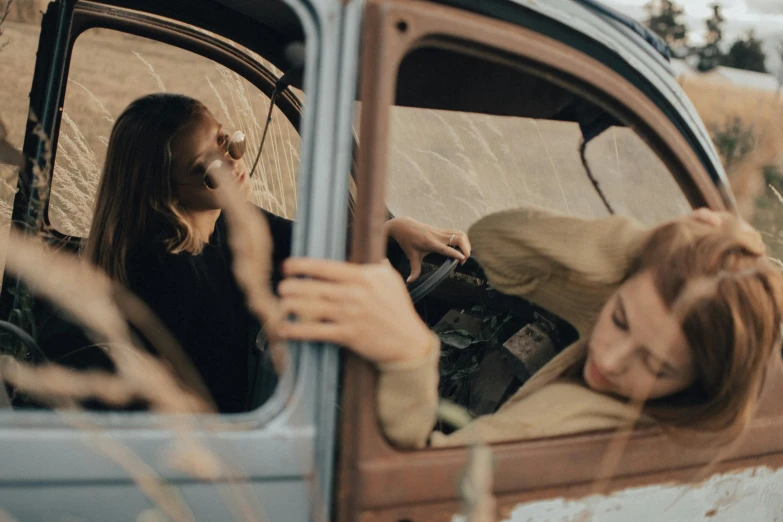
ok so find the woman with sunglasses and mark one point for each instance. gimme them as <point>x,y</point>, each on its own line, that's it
<point>158,229</point>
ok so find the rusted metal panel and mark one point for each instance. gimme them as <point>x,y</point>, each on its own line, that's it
<point>751,494</point>
<point>381,482</point>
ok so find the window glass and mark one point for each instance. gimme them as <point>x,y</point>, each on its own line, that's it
<point>109,70</point>
<point>449,168</point>
<point>635,181</point>
<point>470,137</point>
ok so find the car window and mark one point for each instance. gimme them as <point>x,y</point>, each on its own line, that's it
<point>464,146</point>
<point>449,168</point>
<point>634,179</point>
<point>110,69</point>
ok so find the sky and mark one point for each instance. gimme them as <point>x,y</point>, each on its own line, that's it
<point>764,16</point>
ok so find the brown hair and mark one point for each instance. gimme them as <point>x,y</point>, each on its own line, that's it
<point>732,324</point>
<point>135,196</point>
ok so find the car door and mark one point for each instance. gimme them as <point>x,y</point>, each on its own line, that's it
<point>468,109</point>
<point>272,463</point>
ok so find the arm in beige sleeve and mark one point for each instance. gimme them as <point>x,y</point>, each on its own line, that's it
<point>561,408</point>
<point>407,398</point>
<point>565,264</point>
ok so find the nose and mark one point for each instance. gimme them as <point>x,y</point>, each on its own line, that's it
<point>615,358</point>
<point>234,165</point>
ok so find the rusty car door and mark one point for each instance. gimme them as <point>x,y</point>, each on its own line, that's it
<point>595,476</point>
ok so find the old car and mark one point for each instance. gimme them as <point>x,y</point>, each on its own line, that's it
<point>441,110</point>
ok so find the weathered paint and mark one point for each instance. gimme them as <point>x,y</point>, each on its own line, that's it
<point>751,494</point>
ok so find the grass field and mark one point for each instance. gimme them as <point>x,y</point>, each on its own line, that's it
<point>756,117</point>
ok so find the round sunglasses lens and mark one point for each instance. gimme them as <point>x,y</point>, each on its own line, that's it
<point>237,145</point>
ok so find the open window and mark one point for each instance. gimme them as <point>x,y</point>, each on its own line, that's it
<point>500,137</point>
<point>463,115</point>
<point>109,69</point>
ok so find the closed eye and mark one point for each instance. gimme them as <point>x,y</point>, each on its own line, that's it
<point>654,368</point>
<point>618,315</point>
<point>661,370</point>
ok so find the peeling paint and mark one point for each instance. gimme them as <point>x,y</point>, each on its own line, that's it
<point>751,494</point>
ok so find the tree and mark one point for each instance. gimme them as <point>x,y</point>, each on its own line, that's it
<point>746,53</point>
<point>710,55</point>
<point>663,17</point>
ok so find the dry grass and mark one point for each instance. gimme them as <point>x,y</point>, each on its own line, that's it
<point>762,113</point>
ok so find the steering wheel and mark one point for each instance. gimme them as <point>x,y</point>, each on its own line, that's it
<point>429,281</point>
<point>29,343</point>
<point>36,354</point>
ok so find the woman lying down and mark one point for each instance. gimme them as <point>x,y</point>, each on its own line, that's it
<point>685,316</point>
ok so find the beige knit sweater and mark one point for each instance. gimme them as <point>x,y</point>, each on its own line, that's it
<point>568,266</point>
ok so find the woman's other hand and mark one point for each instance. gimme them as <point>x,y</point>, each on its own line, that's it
<point>717,218</point>
<point>707,216</point>
<point>418,239</point>
<point>365,308</point>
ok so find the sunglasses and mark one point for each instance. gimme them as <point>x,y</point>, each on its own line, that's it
<point>234,148</point>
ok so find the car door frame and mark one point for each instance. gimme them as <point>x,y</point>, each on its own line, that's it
<point>290,437</point>
<point>379,482</point>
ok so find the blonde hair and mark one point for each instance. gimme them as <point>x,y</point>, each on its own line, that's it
<point>135,196</point>
<point>733,329</point>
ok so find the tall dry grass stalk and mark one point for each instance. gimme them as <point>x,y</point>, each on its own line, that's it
<point>5,517</point>
<point>274,188</point>
<point>10,159</point>
<point>761,112</point>
<point>76,163</point>
<point>251,245</point>
<point>86,294</point>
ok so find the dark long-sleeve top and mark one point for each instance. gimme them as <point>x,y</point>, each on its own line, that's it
<point>197,298</point>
